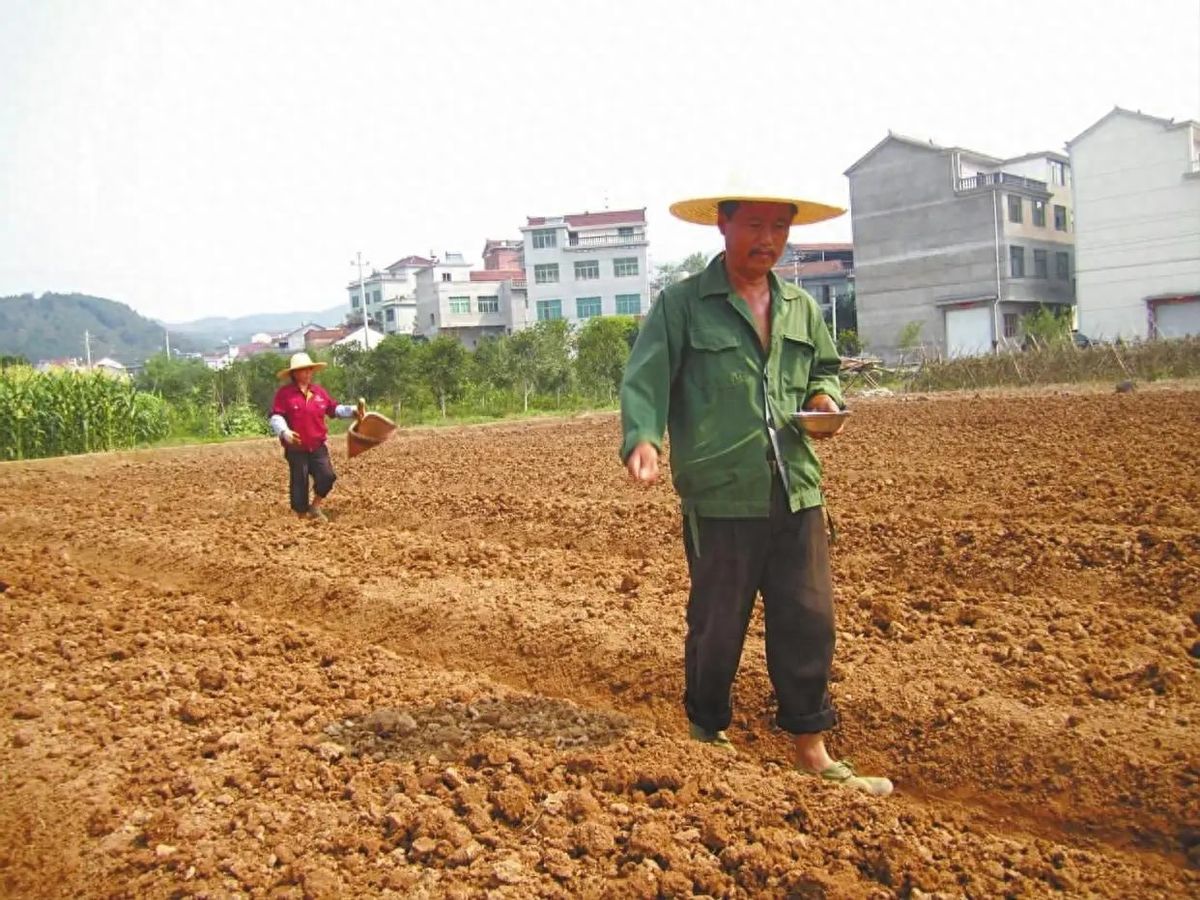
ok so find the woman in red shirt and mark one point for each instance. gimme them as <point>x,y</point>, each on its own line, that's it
<point>298,420</point>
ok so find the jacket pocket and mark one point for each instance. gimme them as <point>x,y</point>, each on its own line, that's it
<point>715,362</point>
<point>795,367</point>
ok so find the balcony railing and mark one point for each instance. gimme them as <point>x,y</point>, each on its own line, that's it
<point>990,179</point>
<point>607,240</point>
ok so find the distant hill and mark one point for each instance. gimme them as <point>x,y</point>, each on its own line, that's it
<point>216,329</point>
<point>52,326</point>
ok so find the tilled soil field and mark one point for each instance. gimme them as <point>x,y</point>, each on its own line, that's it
<point>469,682</point>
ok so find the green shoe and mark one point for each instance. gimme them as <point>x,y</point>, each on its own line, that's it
<point>716,738</point>
<point>842,773</point>
<point>318,515</point>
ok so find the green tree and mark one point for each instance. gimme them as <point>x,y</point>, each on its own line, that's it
<point>524,361</point>
<point>603,349</point>
<point>540,358</point>
<point>1047,327</point>
<point>555,348</point>
<point>175,379</point>
<point>847,310</point>
<point>353,375</point>
<point>392,369</point>
<point>849,343</point>
<point>667,274</point>
<point>492,363</point>
<point>443,366</point>
<point>909,338</point>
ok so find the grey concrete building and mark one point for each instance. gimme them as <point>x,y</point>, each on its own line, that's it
<point>961,242</point>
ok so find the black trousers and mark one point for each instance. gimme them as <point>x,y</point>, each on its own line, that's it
<point>301,466</point>
<point>786,558</point>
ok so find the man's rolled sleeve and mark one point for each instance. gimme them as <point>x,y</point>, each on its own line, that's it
<point>823,377</point>
<point>646,385</point>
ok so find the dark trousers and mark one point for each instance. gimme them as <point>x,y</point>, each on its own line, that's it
<point>301,466</point>
<point>786,558</point>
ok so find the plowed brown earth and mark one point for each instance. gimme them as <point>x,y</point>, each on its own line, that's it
<point>469,682</point>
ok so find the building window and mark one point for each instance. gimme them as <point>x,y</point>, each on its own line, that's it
<point>390,314</point>
<point>1039,213</point>
<point>460,305</point>
<point>489,303</point>
<point>1040,269</point>
<point>1058,172</point>
<point>589,270</point>
<point>1014,208</point>
<point>1011,323</point>
<point>546,273</point>
<point>1016,261</point>
<point>354,301</point>
<point>586,307</point>
<point>625,231</point>
<point>1060,218</point>
<point>446,276</point>
<point>431,318</point>
<point>629,304</point>
<point>378,296</point>
<point>1062,266</point>
<point>544,238</point>
<point>549,309</point>
<point>625,267</point>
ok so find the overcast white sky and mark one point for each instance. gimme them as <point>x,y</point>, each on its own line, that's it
<point>221,158</point>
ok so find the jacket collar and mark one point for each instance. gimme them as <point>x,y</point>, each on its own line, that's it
<point>715,283</point>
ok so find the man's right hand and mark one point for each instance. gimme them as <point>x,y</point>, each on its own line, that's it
<point>642,463</point>
<point>290,437</point>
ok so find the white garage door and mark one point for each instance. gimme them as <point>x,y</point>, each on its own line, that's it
<point>969,331</point>
<point>1178,319</point>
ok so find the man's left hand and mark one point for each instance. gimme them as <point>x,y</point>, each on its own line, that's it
<point>824,403</point>
<point>361,409</point>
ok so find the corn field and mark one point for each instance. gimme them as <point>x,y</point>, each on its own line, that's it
<point>58,413</point>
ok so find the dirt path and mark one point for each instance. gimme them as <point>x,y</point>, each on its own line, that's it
<point>470,680</point>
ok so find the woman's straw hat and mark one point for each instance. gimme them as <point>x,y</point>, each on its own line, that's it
<point>300,361</point>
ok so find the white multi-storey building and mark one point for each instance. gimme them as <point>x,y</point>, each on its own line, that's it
<point>584,265</point>
<point>469,305</point>
<point>391,295</point>
<point>1137,226</point>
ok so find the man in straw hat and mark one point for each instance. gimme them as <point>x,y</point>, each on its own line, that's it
<point>723,361</point>
<point>298,420</point>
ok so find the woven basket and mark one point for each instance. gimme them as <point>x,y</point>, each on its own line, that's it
<point>368,433</point>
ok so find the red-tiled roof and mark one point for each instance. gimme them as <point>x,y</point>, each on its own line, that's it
<point>608,217</point>
<point>811,269</point>
<point>818,247</point>
<point>325,334</point>
<point>497,274</point>
<point>410,261</point>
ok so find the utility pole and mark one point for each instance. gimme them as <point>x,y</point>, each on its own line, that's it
<point>362,291</point>
<point>87,343</point>
<point>167,335</point>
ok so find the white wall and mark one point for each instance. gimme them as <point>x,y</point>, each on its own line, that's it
<point>568,289</point>
<point>433,301</point>
<point>1137,217</point>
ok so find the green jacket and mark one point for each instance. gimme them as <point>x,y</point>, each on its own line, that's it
<point>698,369</point>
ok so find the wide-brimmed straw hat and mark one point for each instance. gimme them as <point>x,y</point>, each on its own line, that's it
<point>300,361</point>
<point>703,210</point>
